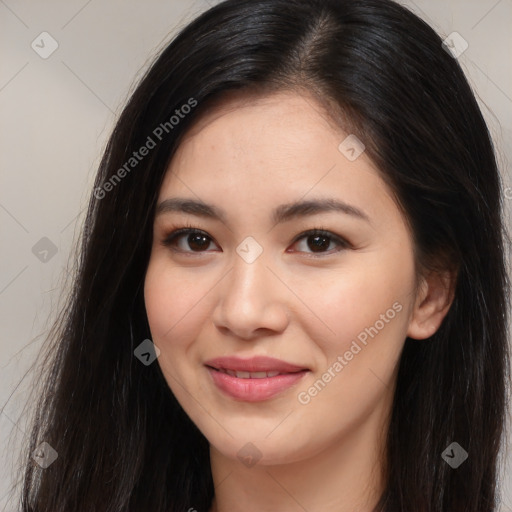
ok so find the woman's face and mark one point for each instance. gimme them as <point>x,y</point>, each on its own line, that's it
<point>330,309</point>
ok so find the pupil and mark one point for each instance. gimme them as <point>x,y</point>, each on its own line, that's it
<point>317,245</point>
<point>193,240</point>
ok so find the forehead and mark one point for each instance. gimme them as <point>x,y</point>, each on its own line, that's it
<point>289,128</point>
<point>255,150</point>
<point>244,118</point>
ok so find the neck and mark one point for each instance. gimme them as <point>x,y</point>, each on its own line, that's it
<point>346,476</point>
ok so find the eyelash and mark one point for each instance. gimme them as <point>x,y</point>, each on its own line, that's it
<point>171,238</point>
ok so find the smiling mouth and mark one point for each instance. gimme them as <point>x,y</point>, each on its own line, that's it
<point>253,380</point>
<point>250,375</point>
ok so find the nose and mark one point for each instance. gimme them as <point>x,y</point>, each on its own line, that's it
<point>251,301</point>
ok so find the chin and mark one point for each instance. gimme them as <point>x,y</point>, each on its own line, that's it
<point>262,450</point>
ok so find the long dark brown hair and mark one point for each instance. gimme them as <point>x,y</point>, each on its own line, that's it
<point>123,441</point>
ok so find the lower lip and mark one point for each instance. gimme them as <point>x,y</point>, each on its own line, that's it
<point>254,390</point>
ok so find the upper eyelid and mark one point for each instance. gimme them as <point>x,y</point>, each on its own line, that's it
<point>174,233</point>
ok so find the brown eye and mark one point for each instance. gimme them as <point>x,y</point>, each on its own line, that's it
<point>318,241</point>
<point>188,240</point>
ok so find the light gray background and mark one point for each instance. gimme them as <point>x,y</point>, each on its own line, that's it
<point>57,113</point>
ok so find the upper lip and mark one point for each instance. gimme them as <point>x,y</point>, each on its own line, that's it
<point>253,364</point>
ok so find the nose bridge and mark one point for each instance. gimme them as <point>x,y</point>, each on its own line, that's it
<point>250,297</point>
<point>248,278</point>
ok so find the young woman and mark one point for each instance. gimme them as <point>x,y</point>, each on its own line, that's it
<point>291,293</point>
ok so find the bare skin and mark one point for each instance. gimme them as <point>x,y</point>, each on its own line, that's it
<point>299,302</point>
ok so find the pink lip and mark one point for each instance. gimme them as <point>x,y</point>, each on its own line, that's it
<point>254,389</point>
<point>254,364</point>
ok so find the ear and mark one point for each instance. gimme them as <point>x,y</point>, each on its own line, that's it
<point>434,298</point>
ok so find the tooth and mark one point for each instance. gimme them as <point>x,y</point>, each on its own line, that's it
<point>249,375</point>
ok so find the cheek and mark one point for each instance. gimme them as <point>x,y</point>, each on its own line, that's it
<point>366,308</point>
<point>366,302</point>
<point>173,305</point>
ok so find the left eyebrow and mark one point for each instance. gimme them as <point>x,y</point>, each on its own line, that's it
<point>286,212</point>
<point>280,214</point>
